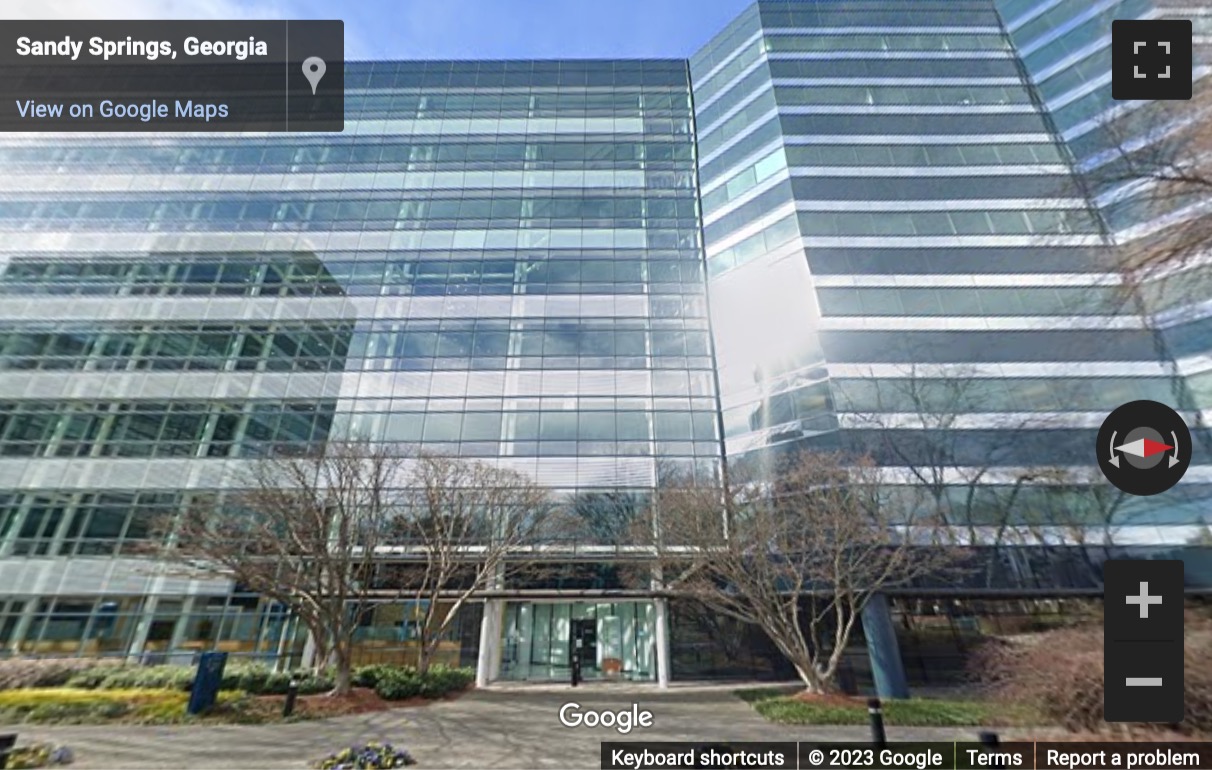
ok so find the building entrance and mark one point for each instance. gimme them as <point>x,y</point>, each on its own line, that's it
<point>616,641</point>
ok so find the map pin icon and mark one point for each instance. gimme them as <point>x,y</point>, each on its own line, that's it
<point>313,70</point>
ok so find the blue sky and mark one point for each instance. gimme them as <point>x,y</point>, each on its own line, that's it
<point>451,29</point>
<point>540,29</point>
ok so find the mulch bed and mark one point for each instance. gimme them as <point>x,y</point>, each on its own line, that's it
<point>362,700</point>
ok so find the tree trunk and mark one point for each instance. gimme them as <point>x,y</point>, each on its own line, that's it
<point>320,650</point>
<point>343,673</point>
<point>344,680</point>
<point>320,662</point>
<point>813,681</point>
<point>423,655</point>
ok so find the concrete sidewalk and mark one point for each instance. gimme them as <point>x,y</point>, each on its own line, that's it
<point>500,727</point>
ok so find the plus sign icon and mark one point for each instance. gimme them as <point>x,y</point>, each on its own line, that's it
<point>1143,600</point>
<point>1151,59</point>
<point>1143,640</point>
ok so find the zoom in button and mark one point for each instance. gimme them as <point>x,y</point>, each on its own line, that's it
<point>1143,640</point>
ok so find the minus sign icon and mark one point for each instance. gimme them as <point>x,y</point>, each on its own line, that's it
<point>1144,681</point>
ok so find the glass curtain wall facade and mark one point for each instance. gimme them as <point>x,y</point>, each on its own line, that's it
<point>889,209</point>
<point>495,260</point>
<point>895,181</point>
<point>1065,47</point>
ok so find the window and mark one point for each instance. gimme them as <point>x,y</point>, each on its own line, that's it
<point>442,427</point>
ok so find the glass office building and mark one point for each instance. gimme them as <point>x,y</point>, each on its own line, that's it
<point>897,182</point>
<point>495,260</point>
<point>804,236</point>
<point>1067,55</point>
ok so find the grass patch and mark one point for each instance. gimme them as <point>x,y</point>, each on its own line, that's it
<point>784,707</point>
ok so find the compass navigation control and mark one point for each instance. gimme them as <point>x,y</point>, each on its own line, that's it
<point>1144,448</point>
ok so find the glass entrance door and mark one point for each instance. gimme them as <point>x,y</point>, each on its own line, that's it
<point>617,640</point>
<point>585,631</point>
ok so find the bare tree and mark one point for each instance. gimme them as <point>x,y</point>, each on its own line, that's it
<point>467,527</point>
<point>1161,164</point>
<point>919,424</point>
<point>303,531</point>
<point>605,518</point>
<point>1078,511</point>
<point>1078,506</point>
<point>723,630</point>
<point>1159,171</point>
<point>798,555</point>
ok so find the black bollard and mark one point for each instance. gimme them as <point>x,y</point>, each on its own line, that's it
<point>292,694</point>
<point>574,654</point>
<point>875,710</point>
<point>990,741</point>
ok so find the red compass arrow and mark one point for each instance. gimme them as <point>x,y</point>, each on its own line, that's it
<point>1143,447</point>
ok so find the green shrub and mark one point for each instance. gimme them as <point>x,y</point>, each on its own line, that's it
<point>89,678</point>
<point>403,682</point>
<point>399,684</point>
<point>278,683</point>
<point>19,673</point>
<point>70,706</point>
<point>250,678</point>
<point>139,706</point>
<point>49,713</point>
<point>178,678</point>
<point>169,709</point>
<point>161,711</point>
<point>311,684</point>
<point>369,676</point>
<point>257,679</point>
<point>441,680</point>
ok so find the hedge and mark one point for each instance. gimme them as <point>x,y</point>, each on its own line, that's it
<point>404,682</point>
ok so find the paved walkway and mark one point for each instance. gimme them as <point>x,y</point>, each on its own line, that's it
<point>502,727</point>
